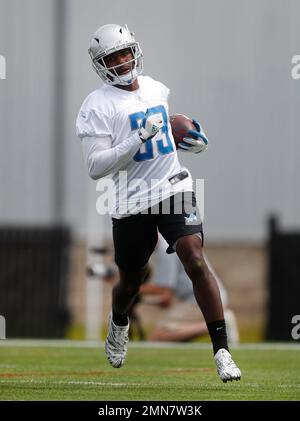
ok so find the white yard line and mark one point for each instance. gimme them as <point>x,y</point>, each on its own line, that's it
<point>48,382</point>
<point>65,343</point>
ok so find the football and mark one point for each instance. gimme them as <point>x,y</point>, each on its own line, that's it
<point>180,125</point>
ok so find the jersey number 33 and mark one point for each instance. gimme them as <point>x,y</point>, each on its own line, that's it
<point>164,144</point>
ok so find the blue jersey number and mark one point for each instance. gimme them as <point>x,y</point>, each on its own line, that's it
<point>162,148</point>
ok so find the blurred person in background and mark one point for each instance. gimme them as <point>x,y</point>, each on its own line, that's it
<point>171,288</point>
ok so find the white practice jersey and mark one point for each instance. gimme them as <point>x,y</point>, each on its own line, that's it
<point>115,114</point>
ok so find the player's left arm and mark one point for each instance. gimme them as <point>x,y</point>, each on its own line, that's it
<point>198,141</point>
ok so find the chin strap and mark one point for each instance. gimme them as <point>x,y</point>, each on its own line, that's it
<point>126,79</point>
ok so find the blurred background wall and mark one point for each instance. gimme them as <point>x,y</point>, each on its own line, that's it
<point>227,63</point>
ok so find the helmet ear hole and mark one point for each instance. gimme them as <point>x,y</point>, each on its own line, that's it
<point>96,39</point>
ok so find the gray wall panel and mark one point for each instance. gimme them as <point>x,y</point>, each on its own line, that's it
<point>227,63</point>
<point>25,111</point>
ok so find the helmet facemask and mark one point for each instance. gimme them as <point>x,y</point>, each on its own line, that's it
<point>110,74</point>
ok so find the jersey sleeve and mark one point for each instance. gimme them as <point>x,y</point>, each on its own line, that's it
<point>164,90</point>
<point>102,159</point>
<point>91,123</point>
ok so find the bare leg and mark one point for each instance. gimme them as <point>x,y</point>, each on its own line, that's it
<point>206,290</point>
<point>125,291</point>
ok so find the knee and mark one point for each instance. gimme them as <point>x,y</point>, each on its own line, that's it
<point>131,284</point>
<point>131,281</point>
<point>196,266</point>
<point>130,288</point>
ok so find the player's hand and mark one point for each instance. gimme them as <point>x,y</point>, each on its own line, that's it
<point>150,126</point>
<point>189,144</point>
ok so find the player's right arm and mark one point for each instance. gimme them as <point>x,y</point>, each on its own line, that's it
<point>94,128</point>
<point>102,159</point>
<point>100,156</point>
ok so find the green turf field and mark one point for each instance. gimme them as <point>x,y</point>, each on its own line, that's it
<point>66,372</point>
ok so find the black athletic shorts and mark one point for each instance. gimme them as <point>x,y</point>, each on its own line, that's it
<point>135,236</point>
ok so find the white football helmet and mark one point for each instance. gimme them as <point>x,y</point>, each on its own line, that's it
<point>109,39</point>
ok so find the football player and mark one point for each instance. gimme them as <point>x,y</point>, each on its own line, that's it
<point>124,128</point>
